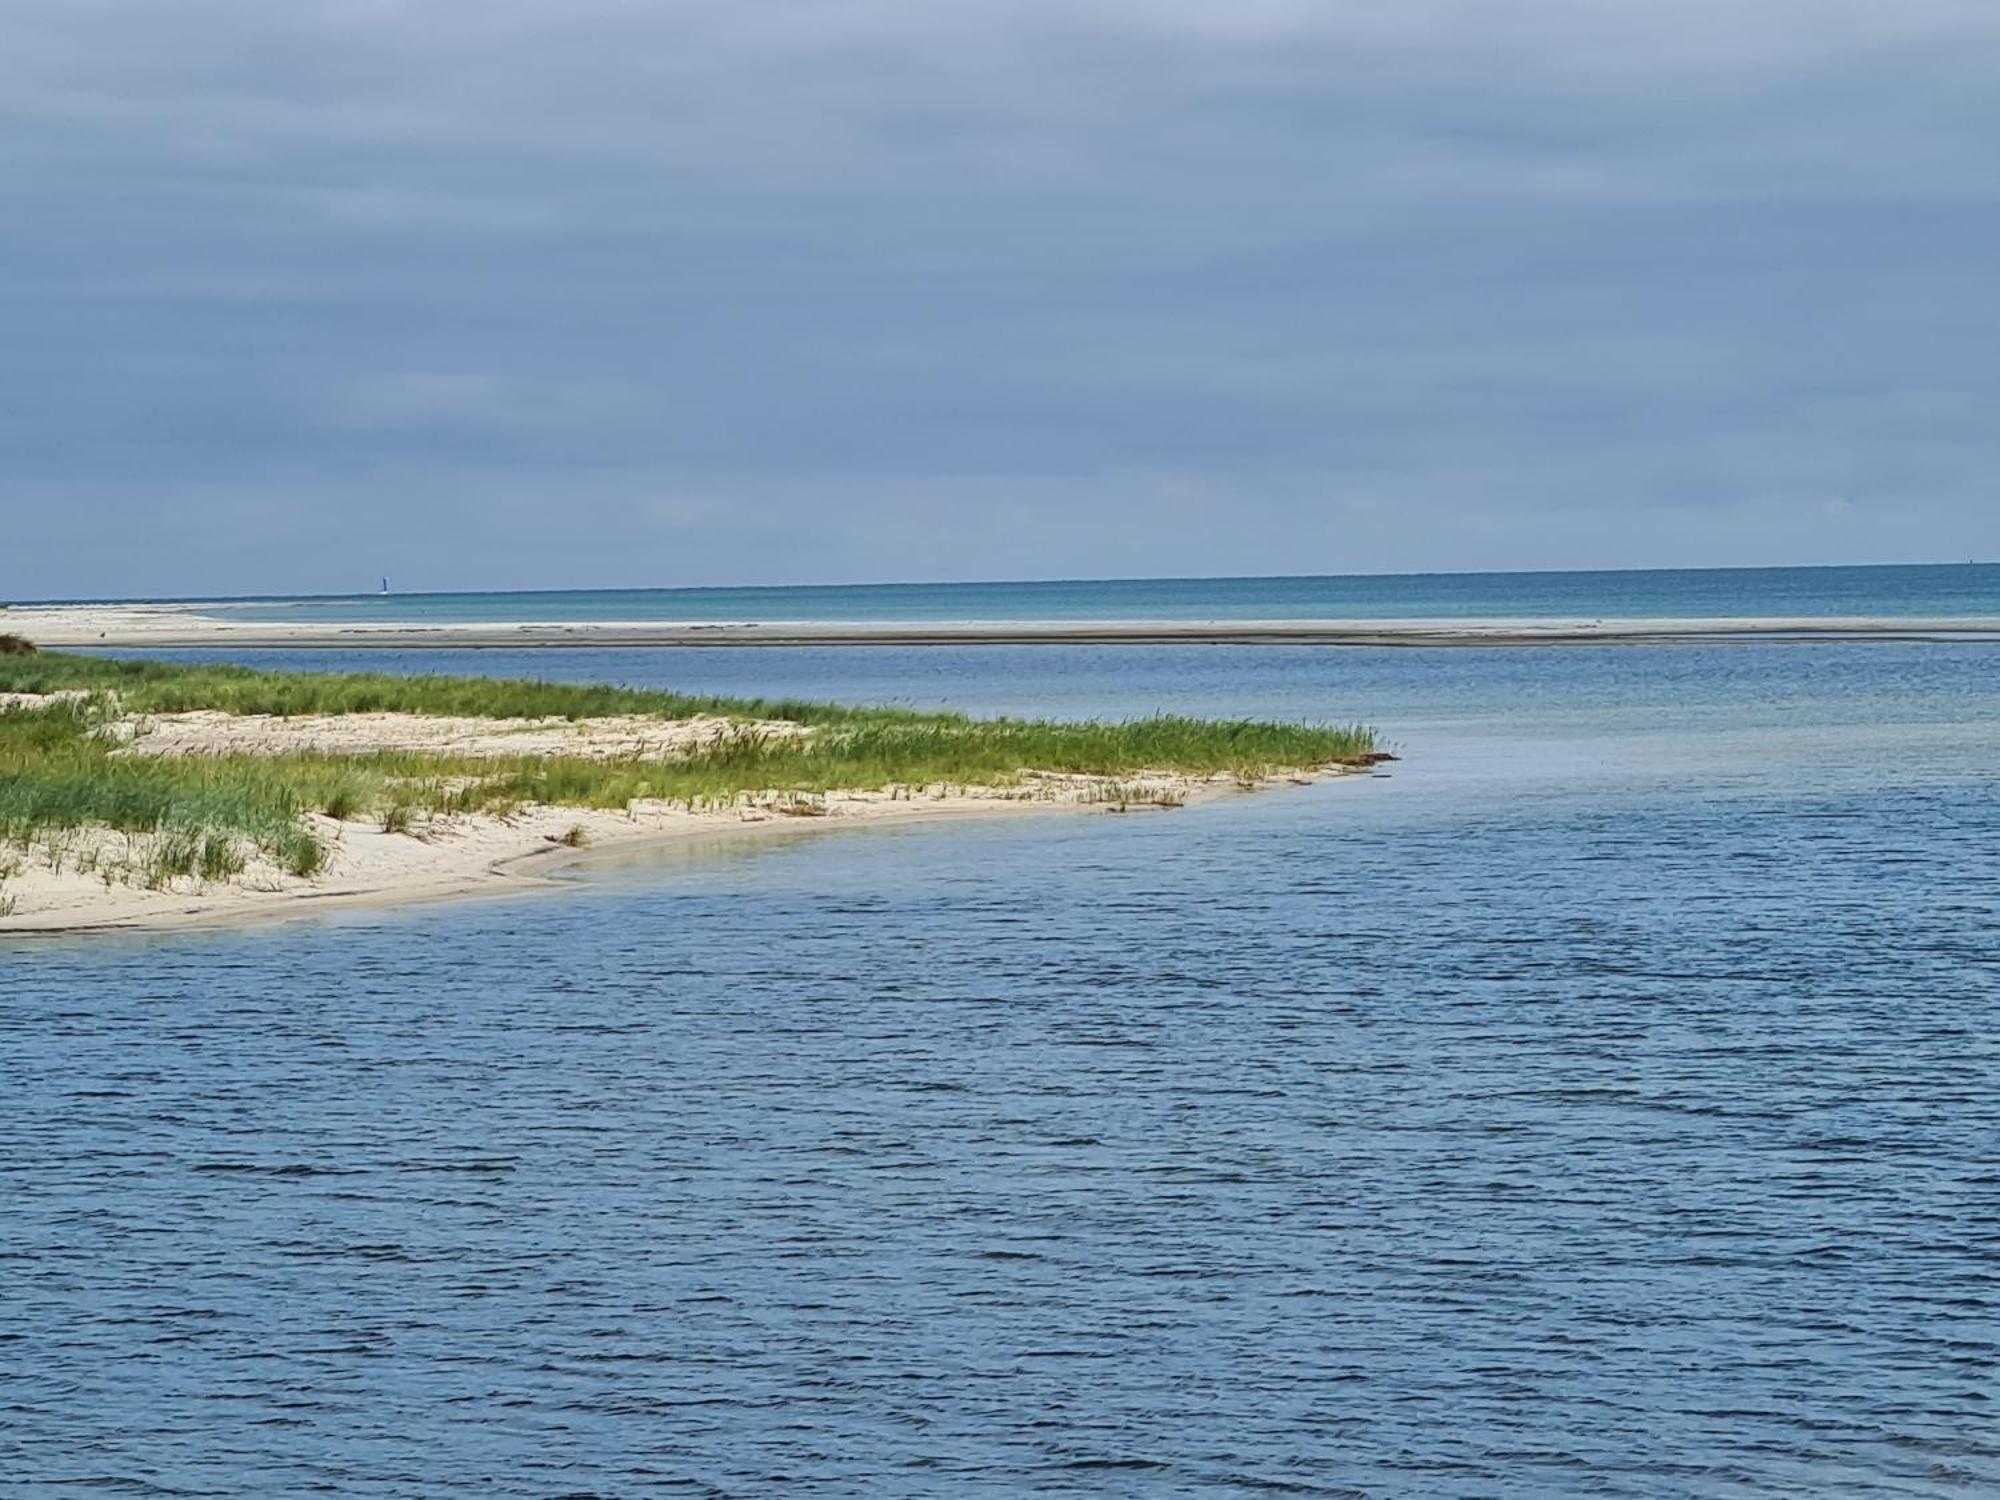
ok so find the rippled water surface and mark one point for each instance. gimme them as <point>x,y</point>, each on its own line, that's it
<point>1606,1103</point>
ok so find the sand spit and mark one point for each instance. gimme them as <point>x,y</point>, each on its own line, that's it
<point>81,883</point>
<point>160,626</point>
<point>96,878</point>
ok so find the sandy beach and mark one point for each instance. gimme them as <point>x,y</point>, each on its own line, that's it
<point>59,892</point>
<point>194,626</point>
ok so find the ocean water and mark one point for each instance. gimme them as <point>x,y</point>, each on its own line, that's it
<point>1947,590</point>
<point>1603,1102</point>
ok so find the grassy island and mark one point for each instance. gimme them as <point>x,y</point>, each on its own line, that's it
<point>246,774</point>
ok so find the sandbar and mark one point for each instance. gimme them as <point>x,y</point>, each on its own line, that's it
<point>194,626</point>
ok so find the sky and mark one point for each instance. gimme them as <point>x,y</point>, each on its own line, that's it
<point>608,293</point>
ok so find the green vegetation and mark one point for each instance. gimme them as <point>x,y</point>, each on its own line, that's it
<point>202,815</point>
<point>171,687</point>
<point>15,645</point>
<point>56,778</point>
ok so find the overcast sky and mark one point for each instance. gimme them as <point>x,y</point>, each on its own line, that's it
<point>516,294</point>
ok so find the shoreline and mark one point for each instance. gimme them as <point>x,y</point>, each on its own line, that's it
<point>140,795</point>
<point>481,855</point>
<point>184,627</point>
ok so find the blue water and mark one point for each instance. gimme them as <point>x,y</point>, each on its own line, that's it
<point>1604,1103</point>
<point>1957,590</point>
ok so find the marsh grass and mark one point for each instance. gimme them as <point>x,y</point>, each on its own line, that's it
<point>206,816</point>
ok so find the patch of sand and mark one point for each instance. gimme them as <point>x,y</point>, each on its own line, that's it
<point>621,737</point>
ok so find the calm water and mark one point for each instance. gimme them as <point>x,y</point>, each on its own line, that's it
<point>1906,591</point>
<point>1606,1103</point>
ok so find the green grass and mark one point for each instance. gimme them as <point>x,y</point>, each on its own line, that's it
<point>146,686</point>
<point>56,778</point>
<point>202,815</point>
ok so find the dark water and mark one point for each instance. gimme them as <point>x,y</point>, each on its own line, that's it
<point>1606,1103</point>
<point>1941,590</point>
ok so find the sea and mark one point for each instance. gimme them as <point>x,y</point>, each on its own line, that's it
<point>1602,1099</point>
<point>1953,590</point>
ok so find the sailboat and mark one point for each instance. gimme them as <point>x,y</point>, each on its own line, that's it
<point>385,585</point>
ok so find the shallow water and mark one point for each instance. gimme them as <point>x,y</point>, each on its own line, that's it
<point>1603,1103</point>
<point>1938,589</point>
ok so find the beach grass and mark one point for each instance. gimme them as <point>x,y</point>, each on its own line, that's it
<point>149,686</point>
<point>202,815</point>
<point>57,778</point>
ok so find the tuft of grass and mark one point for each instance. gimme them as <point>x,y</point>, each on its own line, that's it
<point>219,858</point>
<point>344,802</point>
<point>169,853</point>
<point>300,854</point>
<point>17,645</point>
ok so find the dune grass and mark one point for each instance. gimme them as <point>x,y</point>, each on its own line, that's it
<point>58,778</point>
<point>146,686</point>
<point>202,815</point>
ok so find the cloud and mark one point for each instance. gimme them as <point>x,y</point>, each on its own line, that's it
<point>880,270</point>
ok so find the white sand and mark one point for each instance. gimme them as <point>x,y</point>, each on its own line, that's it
<point>623,737</point>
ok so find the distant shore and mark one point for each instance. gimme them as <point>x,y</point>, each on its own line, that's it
<point>172,627</point>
